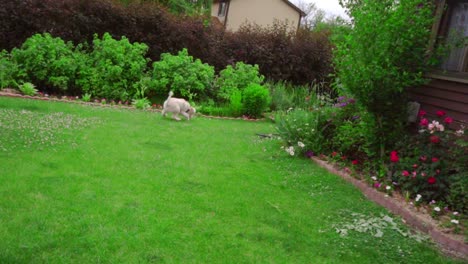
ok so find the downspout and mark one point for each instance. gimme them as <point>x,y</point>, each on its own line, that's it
<point>228,3</point>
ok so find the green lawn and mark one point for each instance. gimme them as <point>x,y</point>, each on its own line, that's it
<point>81,184</point>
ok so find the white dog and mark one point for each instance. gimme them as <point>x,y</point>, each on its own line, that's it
<point>177,106</point>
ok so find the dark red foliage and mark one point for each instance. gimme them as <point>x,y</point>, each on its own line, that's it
<point>300,57</point>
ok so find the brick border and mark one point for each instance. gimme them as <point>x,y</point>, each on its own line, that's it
<point>448,245</point>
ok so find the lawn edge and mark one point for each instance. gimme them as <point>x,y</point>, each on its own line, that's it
<point>448,245</point>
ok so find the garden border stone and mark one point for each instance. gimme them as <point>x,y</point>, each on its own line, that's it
<point>447,244</point>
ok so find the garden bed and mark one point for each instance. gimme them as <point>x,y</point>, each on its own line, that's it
<point>451,244</point>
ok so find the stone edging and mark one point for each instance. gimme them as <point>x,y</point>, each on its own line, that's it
<point>448,245</point>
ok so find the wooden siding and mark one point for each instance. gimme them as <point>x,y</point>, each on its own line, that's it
<point>449,96</point>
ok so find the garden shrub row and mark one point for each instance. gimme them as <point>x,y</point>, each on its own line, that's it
<point>113,69</point>
<point>281,55</point>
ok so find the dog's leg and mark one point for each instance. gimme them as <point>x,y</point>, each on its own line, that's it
<point>186,115</point>
<point>164,112</point>
<point>176,116</point>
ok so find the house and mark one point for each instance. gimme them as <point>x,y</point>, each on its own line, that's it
<point>448,87</point>
<point>233,13</point>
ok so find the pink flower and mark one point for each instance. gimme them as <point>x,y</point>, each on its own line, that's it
<point>435,139</point>
<point>431,180</point>
<point>437,171</point>
<point>414,174</point>
<point>394,157</point>
<point>422,113</point>
<point>405,173</point>
<point>440,113</point>
<point>424,122</point>
<point>422,158</point>
<point>434,159</point>
<point>415,166</point>
<point>448,120</point>
<point>423,174</point>
<point>377,185</point>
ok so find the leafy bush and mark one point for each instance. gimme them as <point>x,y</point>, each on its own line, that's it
<point>47,60</point>
<point>304,126</point>
<point>182,74</point>
<point>256,99</point>
<point>141,103</point>
<point>113,68</point>
<point>383,55</point>
<point>8,71</point>
<point>86,97</point>
<point>234,79</point>
<point>28,89</point>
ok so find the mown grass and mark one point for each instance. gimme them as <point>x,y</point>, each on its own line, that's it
<point>92,185</point>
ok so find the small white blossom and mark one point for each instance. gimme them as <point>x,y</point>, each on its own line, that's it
<point>437,209</point>
<point>455,213</point>
<point>374,178</point>
<point>459,132</point>
<point>388,188</point>
<point>418,197</point>
<point>300,144</point>
<point>455,221</point>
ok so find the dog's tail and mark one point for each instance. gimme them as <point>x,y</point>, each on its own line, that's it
<point>171,93</point>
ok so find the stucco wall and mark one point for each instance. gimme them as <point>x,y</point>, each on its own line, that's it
<point>261,12</point>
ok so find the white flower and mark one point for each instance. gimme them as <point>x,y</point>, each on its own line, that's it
<point>455,221</point>
<point>290,150</point>
<point>437,209</point>
<point>418,197</point>
<point>441,128</point>
<point>374,178</point>
<point>300,144</point>
<point>455,213</point>
<point>460,132</point>
<point>388,188</point>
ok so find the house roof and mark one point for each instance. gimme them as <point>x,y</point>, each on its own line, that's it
<point>293,6</point>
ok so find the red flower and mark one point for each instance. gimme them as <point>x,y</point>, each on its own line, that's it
<point>415,166</point>
<point>355,162</point>
<point>434,159</point>
<point>431,180</point>
<point>343,158</point>
<point>394,156</point>
<point>435,139</point>
<point>437,171</point>
<point>422,158</point>
<point>377,185</point>
<point>448,120</point>
<point>440,113</point>
<point>424,122</point>
<point>334,154</point>
<point>405,173</point>
<point>422,113</point>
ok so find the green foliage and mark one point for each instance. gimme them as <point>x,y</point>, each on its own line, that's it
<point>182,74</point>
<point>235,104</point>
<point>256,99</point>
<point>304,126</point>
<point>141,103</point>
<point>8,70</point>
<point>457,197</point>
<point>86,97</point>
<point>28,89</point>
<point>384,53</point>
<point>113,68</point>
<point>237,78</point>
<point>48,60</point>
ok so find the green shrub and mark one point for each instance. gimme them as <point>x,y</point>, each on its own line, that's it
<point>235,104</point>
<point>307,127</point>
<point>141,103</point>
<point>457,197</point>
<point>385,53</point>
<point>28,89</point>
<point>8,71</point>
<point>113,68</point>
<point>256,99</point>
<point>48,61</point>
<point>237,78</point>
<point>182,74</point>
<point>86,97</point>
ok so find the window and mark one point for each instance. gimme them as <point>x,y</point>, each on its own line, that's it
<point>454,28</point>
<point>222,9</point>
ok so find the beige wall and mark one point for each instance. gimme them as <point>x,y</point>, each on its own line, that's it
<point>261,12</point>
